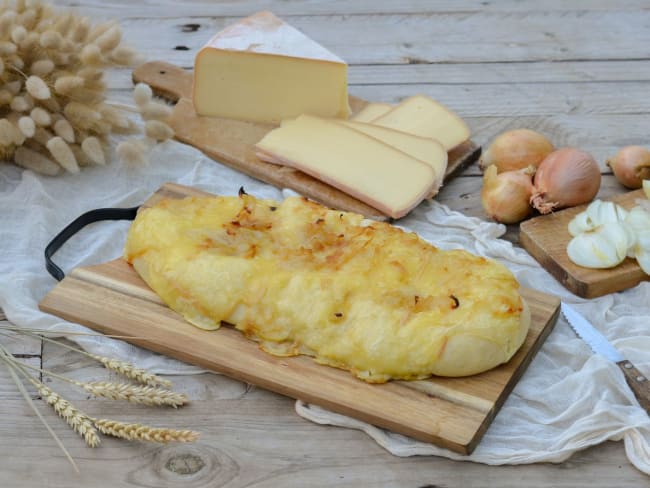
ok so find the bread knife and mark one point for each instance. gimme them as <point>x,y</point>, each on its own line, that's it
<point>639,383</point>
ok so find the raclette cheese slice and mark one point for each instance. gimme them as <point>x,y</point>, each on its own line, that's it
<point>368,169</point>
<point>426,150</point>
<point>423,116</point>
<point>261,69</point>
<point>371,111</point>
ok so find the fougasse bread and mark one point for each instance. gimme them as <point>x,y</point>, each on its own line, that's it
<point>355,294</point>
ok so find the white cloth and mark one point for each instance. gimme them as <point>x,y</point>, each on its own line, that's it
<point>567,400</point>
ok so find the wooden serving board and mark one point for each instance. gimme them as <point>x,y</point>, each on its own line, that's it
<point>546,238</point>
<point>451,412</point>
<point>231,142</point>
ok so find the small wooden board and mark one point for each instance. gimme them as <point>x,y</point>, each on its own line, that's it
<point>451,412</point>
<point>546,238</point>
<point>231,142</point>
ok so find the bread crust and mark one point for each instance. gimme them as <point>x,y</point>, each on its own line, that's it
<point>359,295</point>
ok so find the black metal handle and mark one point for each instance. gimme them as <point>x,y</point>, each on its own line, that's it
<point>76,225</point>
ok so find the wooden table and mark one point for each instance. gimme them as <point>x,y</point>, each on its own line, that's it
<point>577,71</point>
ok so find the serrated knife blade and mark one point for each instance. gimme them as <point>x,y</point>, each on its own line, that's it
<point>588,333</point>
<point>638,382</point>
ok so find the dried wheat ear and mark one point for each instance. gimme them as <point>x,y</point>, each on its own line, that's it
<point>54,115</point>
<point>145,388</point>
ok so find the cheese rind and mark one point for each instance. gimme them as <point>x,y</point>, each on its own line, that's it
<point>423,116</point>
<point>371,111</point>
<point>426,150</point>
<point>261,69</point>
<point>362,166</point>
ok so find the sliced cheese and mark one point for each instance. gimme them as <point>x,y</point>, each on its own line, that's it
<point>427,150</point>
<point>371,111</point>
<point>362,166</point>
<point>262,69</point>
<point>423,116</point>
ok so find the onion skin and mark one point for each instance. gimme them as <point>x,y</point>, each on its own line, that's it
<point>631,165</point>
<point>516,149</point>
<point>505,196</point>
<point>566,178</point>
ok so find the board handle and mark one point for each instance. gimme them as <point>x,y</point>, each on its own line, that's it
<point>166,80</point>
<point>75,226</point>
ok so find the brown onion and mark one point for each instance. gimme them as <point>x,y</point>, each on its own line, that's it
<point>631,166</point>
<point>566,178</point>
<point>516,149</point>
<point>505,196</point>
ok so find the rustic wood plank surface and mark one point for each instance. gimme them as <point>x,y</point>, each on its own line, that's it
<point>578,71</point>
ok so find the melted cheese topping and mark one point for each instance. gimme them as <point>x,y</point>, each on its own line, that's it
<point>302,279</point>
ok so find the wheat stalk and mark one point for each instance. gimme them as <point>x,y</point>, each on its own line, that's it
<point>89,427</point>
<point>13,368</point>
<point>129,371</point>
<point>121,367</point>
<point>76,419</point>
<point>41,332</point>
<point>139,432</point>
<point>145,395</point>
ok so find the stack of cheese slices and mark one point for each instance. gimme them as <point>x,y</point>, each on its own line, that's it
<point>263,70</point>
<point>391,163</point>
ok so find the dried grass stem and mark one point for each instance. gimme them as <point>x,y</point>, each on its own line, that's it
<point>139,432</point>
<point>144,395</point>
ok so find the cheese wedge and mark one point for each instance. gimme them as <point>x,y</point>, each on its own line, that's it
<point>423,116</point>
<point>262,69</point>
<point>426,150</point>
<point>361,166</point>
<point>371,111</point>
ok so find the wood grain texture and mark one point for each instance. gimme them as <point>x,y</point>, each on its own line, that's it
<point>638,382</point>
<point>20,345</point>
<point>232,142</point>
<point>454,413</point>
<point>240,8</point>
<point>26,350</point>
<point>427,37</point>
<point>252,438</point>
<point>546,238</point>
<point>249,437</point>
<point>537,72</point>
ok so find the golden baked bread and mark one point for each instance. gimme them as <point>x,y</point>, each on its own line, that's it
<point>303,279</point>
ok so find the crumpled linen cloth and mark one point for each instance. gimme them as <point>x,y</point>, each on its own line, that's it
<point>567,400</point>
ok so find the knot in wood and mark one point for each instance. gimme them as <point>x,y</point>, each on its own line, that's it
<point>185,464</point>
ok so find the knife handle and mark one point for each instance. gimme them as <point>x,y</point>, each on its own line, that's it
<point>639,383</point>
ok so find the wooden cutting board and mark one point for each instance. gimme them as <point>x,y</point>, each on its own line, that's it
<point>546,238</point>
<point>451,412</point>
<point>231,141</point>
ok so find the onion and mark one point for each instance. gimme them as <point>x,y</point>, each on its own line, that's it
<point>505,196</point>
<point>566,178</point>
<point>631,166</point>
<point>516,149</point>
